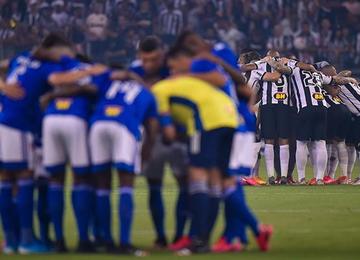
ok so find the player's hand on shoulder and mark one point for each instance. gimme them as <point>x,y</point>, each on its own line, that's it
<point>97,69</point>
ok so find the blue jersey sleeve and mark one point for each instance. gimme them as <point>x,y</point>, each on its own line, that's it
<point>151,111</point>
<point>224,52</point>
<point>202,66</point>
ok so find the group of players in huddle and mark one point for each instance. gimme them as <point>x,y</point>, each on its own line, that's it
<point>191,107</point>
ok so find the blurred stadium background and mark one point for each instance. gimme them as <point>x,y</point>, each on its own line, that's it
<point>110,30</point>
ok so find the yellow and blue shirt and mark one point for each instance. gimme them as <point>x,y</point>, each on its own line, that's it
<point>194,104</point>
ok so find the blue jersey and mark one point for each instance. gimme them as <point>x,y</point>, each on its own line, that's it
<point>32,76</point>
<point>126,102</point>
<point>79,105</point>
<point>136,67</point>
<point>224,52</point>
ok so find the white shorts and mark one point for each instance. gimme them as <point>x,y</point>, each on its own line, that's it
<point>65,138</point>
<point>16,149</point>
<point>112,144</point>
<point>242,158</point>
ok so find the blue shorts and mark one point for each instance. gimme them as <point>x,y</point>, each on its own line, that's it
<point>211,149</point>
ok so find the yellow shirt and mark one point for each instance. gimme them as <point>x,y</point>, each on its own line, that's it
<point>195,104</point>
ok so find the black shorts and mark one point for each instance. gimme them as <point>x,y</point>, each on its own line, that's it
<point>275,121</point>
<point>338,122</point>
<point>211,149</point>
<point>311,124</point>
<point>353,136</point>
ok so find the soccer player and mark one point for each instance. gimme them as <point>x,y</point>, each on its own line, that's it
<point>151,68</point>
<point>65,138</point>
<point>350,95</point>
<point>123,107</point>
<point>307,86</point>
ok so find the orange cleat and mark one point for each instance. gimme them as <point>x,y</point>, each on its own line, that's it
<point>259,180</point>
<point>183,242</point>
<point>263,240</point>
<point>251,182</point>
<point>222,246</point>
<point>328,180</point>
<point>342,180</point>
<point>312,181</point>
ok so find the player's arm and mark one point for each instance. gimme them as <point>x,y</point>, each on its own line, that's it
<point>126,75</point>
<point>13,91</point>
<point>67,91</point>
<point>71,77</point>
<point>345,73</point>
<point>271,76</point>
<point>234,73</point>
<point>4,65</point>
<point>248,67</point>
<point>339,80</point>
<point>151,127</point>
<point>279,66</point>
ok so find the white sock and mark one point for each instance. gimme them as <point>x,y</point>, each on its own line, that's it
<point>269,159</point>
<point>343,157</point>
<point>255,170</point>
<point>352,159</point>
<point>312,153</point>
<point>320,155</point>
<point>333,161</point>
<point>284,159</point>
<point>301,158</point>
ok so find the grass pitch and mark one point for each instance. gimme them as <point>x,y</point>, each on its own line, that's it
<point>309,222</point>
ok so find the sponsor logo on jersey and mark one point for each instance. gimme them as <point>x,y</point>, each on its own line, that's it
<point>318,96</point>
<point>337,99</point>
<point>63,103</point>
<point>112,111</point>
<point>280,96</point>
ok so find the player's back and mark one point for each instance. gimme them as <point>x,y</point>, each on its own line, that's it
<point>32,76</point>
<point>195,104</point>
<point>126,102</point>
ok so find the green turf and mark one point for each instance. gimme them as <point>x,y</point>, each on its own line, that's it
<point>309,222</point>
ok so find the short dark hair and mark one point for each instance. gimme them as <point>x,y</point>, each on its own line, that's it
<point>183,36</point>
<point>55,40</point>
<point>177,51</point>
<point>251,56</point>
<point>150,43</point>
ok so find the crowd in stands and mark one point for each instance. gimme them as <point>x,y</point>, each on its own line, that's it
<point>110,30</point>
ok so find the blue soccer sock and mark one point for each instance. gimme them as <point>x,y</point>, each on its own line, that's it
<point>25,207</point>
<point>56,209</point>
<point>182,212</point>
<point>82,202</point>
<point>6,210</point>
<point>126,210</point>
<point>157,210</point>
<point>214,203</point>
<point>199,207</point>
<point>235,200</point>
<point>230,227</point>
<point>42,210</point>
<point>103,214</point>
<point>241,231</point>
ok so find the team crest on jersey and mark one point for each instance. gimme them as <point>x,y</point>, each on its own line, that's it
<point>63,103</point>
<point>280,96</point>
<point>112,111</point>
<point>318,96</point>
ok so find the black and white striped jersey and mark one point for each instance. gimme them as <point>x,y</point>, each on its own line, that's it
<point>350,96</point>
<point>272,93</point>
<point>307,87</point>
<point>330,100</point>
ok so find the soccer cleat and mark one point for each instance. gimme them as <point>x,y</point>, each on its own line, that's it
<point>251,182</point>
<point>291,181</point>
<point>60,247</point>
<point>223,246</point>
<point>160,243</point>
<point>356,181</point>
<point>263,240</point>
<point>33,248</point>
<point>283,180</point>
<point>342,180</point>
<point>312,182</point>
<point>183,242</point>
<point>9,249</point>
<point>86,247</point>
<point>271,180</point>
<point>278,180</point>
<point>302,182</point>
<point>319,182</point>
<point>259,180</point>
<point>131,250</point>
<point>328,180</point>
<point>199,246</point>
